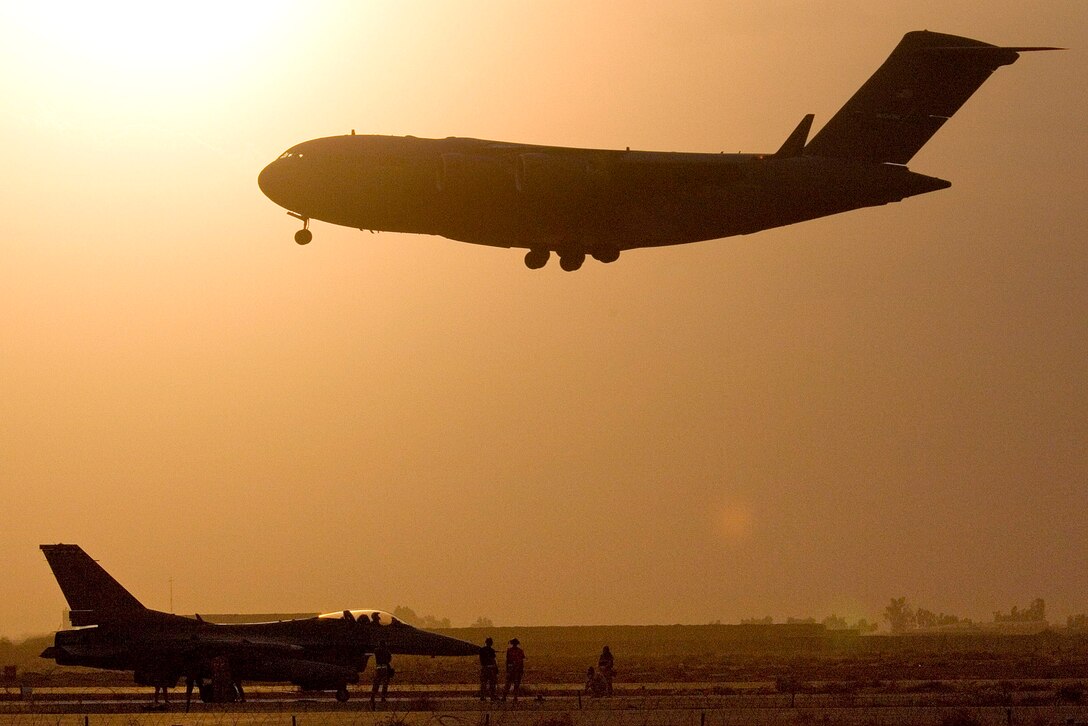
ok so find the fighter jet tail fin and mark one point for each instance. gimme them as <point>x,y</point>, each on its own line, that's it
<point>92,594</point>
<point>922,83</point>
<point>795,144</point>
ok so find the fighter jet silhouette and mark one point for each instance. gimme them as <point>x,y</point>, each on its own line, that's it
<point>324,652</point>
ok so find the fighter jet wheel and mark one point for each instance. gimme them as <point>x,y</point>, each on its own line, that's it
<point>342,694</point>
<point>535,259</point>
<point>303,236</point>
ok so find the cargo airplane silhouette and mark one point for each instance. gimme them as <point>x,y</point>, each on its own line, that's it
<point>325,652</point>
<point>579,202</point>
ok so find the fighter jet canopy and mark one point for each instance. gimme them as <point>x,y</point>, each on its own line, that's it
<point>375,617</point>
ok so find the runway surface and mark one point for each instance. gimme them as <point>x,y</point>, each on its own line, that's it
<point>555,705</point>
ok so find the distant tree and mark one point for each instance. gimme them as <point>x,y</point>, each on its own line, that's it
<point>800,621</point>
<point>1036,612</point>
<point>864,626</point>
<point>483,622</point>
<point>407,616</point>
<point>925,618</point>
<point>834,622</point>
<point>900,615</point>
<point>757,621</point>
<point>1077,622</point>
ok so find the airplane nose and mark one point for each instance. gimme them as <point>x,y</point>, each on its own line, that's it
<point>421,642</point>
<point>266,180</point>
<point>279,182</point>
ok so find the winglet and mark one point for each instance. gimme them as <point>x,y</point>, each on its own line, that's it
<point>795,144</point>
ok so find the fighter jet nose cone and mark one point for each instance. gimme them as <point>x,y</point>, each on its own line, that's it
<point>436,644</point>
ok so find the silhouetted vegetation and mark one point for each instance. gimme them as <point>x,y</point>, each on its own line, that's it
<point>903,617</point>
<point>408,615</point>
<point>1036,612</point>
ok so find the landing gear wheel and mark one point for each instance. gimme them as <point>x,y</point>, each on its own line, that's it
<point>303,236</point>
<point>342,694</point>
<point>572,261</point>
<point>535,259</point>
<point>606,254</point>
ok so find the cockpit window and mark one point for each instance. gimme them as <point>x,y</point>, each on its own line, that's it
<point>374,617</point>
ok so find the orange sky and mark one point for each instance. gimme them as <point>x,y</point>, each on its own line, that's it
<point>808,420</point>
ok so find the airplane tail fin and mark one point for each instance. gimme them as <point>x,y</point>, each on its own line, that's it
<point>92,594</point>
<point>922,83</point>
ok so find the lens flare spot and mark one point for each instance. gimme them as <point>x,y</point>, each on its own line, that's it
<point>736,521</point>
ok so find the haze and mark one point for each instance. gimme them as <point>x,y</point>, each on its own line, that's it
<point>808,420</point>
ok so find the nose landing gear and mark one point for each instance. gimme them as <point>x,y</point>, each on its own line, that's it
<point>304,235</point>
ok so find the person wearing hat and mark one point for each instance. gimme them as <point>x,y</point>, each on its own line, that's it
<point>489,671</point>
<point>515,668</point>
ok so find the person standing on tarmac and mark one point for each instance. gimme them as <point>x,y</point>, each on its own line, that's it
<point>515,668</point>
<point>606,667</point>
<point>383,672</point>
<point>489,671</point>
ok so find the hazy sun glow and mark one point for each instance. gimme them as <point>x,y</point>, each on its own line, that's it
<point>143,49</point>
<point>735,522</point>
<point>805,421</point>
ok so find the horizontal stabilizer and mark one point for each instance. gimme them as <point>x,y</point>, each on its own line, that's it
<point>925,80</point>
<point>795,144</point>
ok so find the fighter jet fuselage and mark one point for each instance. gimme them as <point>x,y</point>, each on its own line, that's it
<point>579,202</point>
<point>324,652</point>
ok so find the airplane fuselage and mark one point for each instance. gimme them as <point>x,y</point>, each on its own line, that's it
<point>565,199</point>
<point>579,202</point>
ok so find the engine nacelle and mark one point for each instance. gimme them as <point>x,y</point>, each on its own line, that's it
<point>551,176</point>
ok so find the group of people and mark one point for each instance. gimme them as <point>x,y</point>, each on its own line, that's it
<point>489,670</point>
<point>598,681</point>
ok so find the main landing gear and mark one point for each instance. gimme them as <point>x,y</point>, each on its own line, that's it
<point>535,259</point>
<point>304,235</point>
<point>569,260</point>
